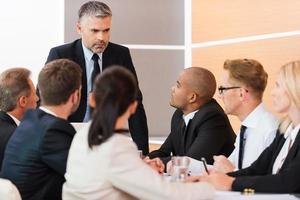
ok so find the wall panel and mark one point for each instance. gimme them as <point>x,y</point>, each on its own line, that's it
<point>271,53</point>
<point>217,20</point>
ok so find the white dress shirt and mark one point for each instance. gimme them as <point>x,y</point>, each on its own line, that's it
<point>114,170</point>
<point>290,136</point>
<point>47,111</point>
<point>89,66</point>
<point>261,131</point>
<point>189,116</point>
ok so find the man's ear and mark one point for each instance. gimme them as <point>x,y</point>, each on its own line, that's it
<point>92,101</point>
<point>193,98</point>
<point>75,96</point>
<point>244,94</point>
<point>22,101</point>
<point>78,27</point>
<point>132,107</point>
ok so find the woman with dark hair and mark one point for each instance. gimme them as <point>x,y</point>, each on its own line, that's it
<point>103,162</point>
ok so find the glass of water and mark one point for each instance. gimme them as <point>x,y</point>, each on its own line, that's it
<point>180,166</point>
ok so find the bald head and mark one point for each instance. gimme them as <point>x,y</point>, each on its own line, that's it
<point>202,82</point>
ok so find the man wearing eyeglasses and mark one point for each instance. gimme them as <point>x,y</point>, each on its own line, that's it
<point>242,87</point>
<point>199,126</point>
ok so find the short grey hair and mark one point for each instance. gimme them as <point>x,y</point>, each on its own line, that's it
<point>94,8</point>
<point>13,84</point>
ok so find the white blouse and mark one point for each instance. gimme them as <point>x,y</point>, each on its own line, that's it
<point>113,170</point>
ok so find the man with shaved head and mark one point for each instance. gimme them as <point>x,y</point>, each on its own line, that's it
<point>199,126</point>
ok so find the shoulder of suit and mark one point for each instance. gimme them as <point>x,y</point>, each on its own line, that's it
<point>48,121</point>
<point>68,46</point>
<point>5,118</point>
<point>211,108</point>
<point>116,47</point>
<point>58,123</point>
<point>177,113</point>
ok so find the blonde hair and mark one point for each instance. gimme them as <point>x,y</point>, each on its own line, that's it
<point>290,76</point>
<point>249,72</point>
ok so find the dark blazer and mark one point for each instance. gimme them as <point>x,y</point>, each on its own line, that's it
<point>7,127</point>
<point>258,176</point>
<point>113,55</point>
<point>36,155</point>
<point>208,133</point>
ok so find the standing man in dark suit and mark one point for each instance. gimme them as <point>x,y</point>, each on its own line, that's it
<point>199,126</point>
<point>94,53</point>
<point>36,154</point>
<point>17,94</point>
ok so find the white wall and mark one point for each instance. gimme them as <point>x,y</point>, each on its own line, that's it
<point>28,30</point>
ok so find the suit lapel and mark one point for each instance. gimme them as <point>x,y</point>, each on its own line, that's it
<point>293,151</point>
<point>277,150</point>
<point>79,56</point>
<point>106,57</point>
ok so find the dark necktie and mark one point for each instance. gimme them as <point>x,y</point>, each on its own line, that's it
<point>96,69</point>
<point>183,127</point>
<point>241,146</point>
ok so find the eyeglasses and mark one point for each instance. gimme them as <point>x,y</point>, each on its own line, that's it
<point>221,88</point>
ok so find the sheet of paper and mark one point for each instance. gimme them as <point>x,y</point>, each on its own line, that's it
<point>196,167</point>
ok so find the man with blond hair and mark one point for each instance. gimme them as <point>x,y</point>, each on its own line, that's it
<point>242,87</point>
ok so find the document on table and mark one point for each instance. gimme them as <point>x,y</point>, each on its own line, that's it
<point>196,167</point>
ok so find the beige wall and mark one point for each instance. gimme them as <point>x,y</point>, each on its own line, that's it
<point>217,21</point>
<point>268,31</point>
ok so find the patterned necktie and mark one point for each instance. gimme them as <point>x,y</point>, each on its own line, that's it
<point>96,69</point>
<point>241,146</point>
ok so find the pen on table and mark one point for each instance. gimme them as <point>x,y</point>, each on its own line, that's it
<point>204,164</point>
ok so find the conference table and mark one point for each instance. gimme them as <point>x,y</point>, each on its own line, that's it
<point>222,195</point>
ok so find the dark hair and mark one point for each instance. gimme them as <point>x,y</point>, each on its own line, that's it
<point>58,80</point>
<point>13,84</point>
<point>114,90</point>
<point>203,82</point>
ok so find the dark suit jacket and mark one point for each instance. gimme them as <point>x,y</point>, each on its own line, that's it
<point>208,133</point>
<point>7,127</point>
<point>259,176</point>
<point>36,155</point>
<point>113,55</point>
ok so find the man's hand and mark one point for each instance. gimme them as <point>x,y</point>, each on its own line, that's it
<point>156,164</point>
<point>222,164</point>
<point>219,180</point>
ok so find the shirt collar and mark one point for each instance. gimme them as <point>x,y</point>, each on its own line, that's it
<point>15,119</point>
<point>252,119</point>
<point>47,111</point>
<point>292,132</point>
<point>188,117</point>
<point>88,54</point>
